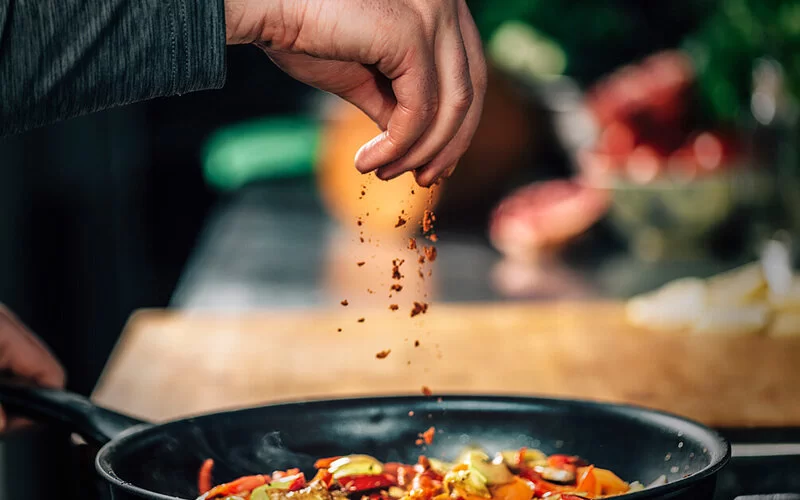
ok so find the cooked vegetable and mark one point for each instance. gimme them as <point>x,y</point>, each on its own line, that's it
<point>523,474</point>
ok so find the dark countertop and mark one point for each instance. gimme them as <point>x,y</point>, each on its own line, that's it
<point>265,247</point>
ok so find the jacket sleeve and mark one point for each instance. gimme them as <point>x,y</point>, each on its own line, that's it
<point>64,58</point>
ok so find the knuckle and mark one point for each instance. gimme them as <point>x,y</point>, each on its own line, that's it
<point>463,97</point>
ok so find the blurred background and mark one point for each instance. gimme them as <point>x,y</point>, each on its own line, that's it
<point>623,144</point>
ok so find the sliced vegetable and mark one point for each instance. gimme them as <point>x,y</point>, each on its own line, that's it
<point>325,463</point>
<point>587,481</point>
<point>366,482</point>
<point>204,480</point>
<point>355,465</point>
<point>494,473</point>
<point>465,481</point>
<point>472,477</point>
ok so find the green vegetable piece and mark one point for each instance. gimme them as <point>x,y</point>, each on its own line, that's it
<point>531,458</point>
<point>494,473</point>
<point>440,467</point>
<point>469,481</point>
<point>260,493</point>
<point>355,465</point>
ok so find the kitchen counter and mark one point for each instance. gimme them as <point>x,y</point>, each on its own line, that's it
<point>175,364</point>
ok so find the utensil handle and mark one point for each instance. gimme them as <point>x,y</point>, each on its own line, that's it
<point>66,408</point>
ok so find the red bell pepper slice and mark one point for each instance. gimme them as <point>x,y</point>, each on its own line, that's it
<point>246,483</point>
<point>324,477</point>
<point>296,481</point>
<point>560,461</point>
<point>366,482</point>
<point>204,480</point>
<point>325,463</point>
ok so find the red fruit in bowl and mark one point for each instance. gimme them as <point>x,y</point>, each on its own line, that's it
<point>709,151</point>
<point>644,164</point>
<point>543,216</point>
<point>682,165</point>
<point>617,139</point>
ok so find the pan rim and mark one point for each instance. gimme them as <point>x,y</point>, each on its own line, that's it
<point>718,446</point>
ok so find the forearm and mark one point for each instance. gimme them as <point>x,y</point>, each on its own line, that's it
<point>65,58</point>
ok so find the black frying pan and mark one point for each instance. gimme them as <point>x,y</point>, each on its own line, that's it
<point>140,460</point>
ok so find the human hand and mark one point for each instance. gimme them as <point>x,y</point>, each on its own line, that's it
<point>415,67</point>
<point>25,356</point>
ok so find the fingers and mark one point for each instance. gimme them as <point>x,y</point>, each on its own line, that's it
<point>455,91</point>
<point>446,160</point>
<point>416,93</point>
<point>373,96</point>
<point>24,355</point>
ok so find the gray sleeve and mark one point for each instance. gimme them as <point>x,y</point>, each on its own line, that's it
<point>64,58</point>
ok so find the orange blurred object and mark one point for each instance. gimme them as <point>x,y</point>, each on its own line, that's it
<point>341,185</point>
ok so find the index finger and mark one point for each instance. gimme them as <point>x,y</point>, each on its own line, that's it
<point>416,90</point>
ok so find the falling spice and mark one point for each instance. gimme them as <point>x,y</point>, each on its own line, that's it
<point>416,343</point>
<point>370,291</point>
<point>345,303</point>
<point>339,330</point>
<point>359,264</point>
<point>418,442</point>
<point>430,253</point>
<point>421,259</point>
<point>383,354</point>
<point>421,274</point>
<point>397,287</point>
<point>428,218</point>
<point>400,221</point>
<point>427,436</point>
<point>412,243</point>
<point>419,308</point>
<point>393,307</point>
<point>433,237</point>
<point>396,263</point>
<point>362,239</point>
<point>359,222</point>
<point>360,320</point>
<point>427,390</point>
<point>363,193</point>
<point>411,413</point>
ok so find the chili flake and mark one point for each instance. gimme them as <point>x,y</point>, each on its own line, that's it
<point>419,308</point>
<point>427,436</point>
<point>345,303</point>
<point>430,253</point>
<point>394,307</point>
<point>383,354</point>
<point>427,390</point>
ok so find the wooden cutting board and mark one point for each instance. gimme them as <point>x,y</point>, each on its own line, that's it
<point>172,364</point>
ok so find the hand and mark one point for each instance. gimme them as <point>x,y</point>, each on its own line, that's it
<point>25,356</point>
<point>415,67</point>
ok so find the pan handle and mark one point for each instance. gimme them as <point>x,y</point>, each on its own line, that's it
<point>69,409</point>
